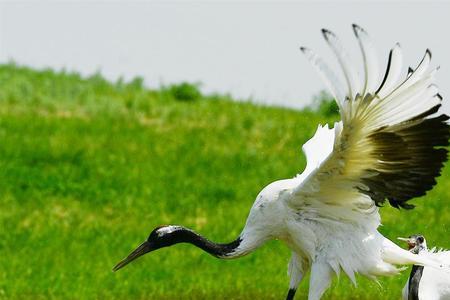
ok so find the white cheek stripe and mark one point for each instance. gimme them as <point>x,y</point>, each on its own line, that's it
<point>166,230</point>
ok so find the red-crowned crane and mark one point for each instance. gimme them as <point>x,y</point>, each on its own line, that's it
<point>425,283</point>
<point>389,145</point>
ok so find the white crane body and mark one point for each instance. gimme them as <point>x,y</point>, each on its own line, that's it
<point>381,150</point>
<point>320,243</point>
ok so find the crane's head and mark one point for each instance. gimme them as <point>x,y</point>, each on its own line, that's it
<point>161,236</point>
<point>416,243</point>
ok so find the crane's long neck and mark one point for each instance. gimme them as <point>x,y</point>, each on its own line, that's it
<point>413,282</point>
<point>215,249</point>
<point>239,247</point>
<point>185,235</point>
<point>415,275</point>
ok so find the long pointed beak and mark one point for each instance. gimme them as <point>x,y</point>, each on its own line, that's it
<point>403,239</point>
<point>145,247</point>
<point>410,241</point>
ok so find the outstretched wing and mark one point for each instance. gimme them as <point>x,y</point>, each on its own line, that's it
<point>389,144</point>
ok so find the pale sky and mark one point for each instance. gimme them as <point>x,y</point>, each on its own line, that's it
<point>249,49</point>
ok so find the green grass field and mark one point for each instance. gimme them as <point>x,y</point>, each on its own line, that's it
<point>88,168</point>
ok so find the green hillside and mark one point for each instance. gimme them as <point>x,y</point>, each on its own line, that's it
<point>88,168</point>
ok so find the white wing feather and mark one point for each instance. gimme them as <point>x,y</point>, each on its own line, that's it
<point>331,81</point>
<point>350,74</point>
<point>393,71</point>
<point>370,59</point>
<point>358,163</point>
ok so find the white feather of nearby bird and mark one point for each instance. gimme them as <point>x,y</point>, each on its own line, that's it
<point>389,145</point>
<point>425,283</point>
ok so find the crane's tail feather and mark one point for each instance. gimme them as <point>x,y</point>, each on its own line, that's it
<point>393,254</point>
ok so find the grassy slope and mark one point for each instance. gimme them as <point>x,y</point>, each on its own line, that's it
<point>88,168</point>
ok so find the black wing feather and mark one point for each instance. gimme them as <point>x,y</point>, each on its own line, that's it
<point>410,156</point>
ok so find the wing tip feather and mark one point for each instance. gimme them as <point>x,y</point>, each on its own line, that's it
<point>327,33</point>
<point>358,29</point>
<point>410,71</point>
<point>428,52</point>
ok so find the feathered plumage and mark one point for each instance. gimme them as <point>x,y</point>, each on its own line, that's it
<point>425,283</point>
<point>389,146</point>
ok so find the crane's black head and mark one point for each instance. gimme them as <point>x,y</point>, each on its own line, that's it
<point>162,236</point>
<point>416,242</point>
